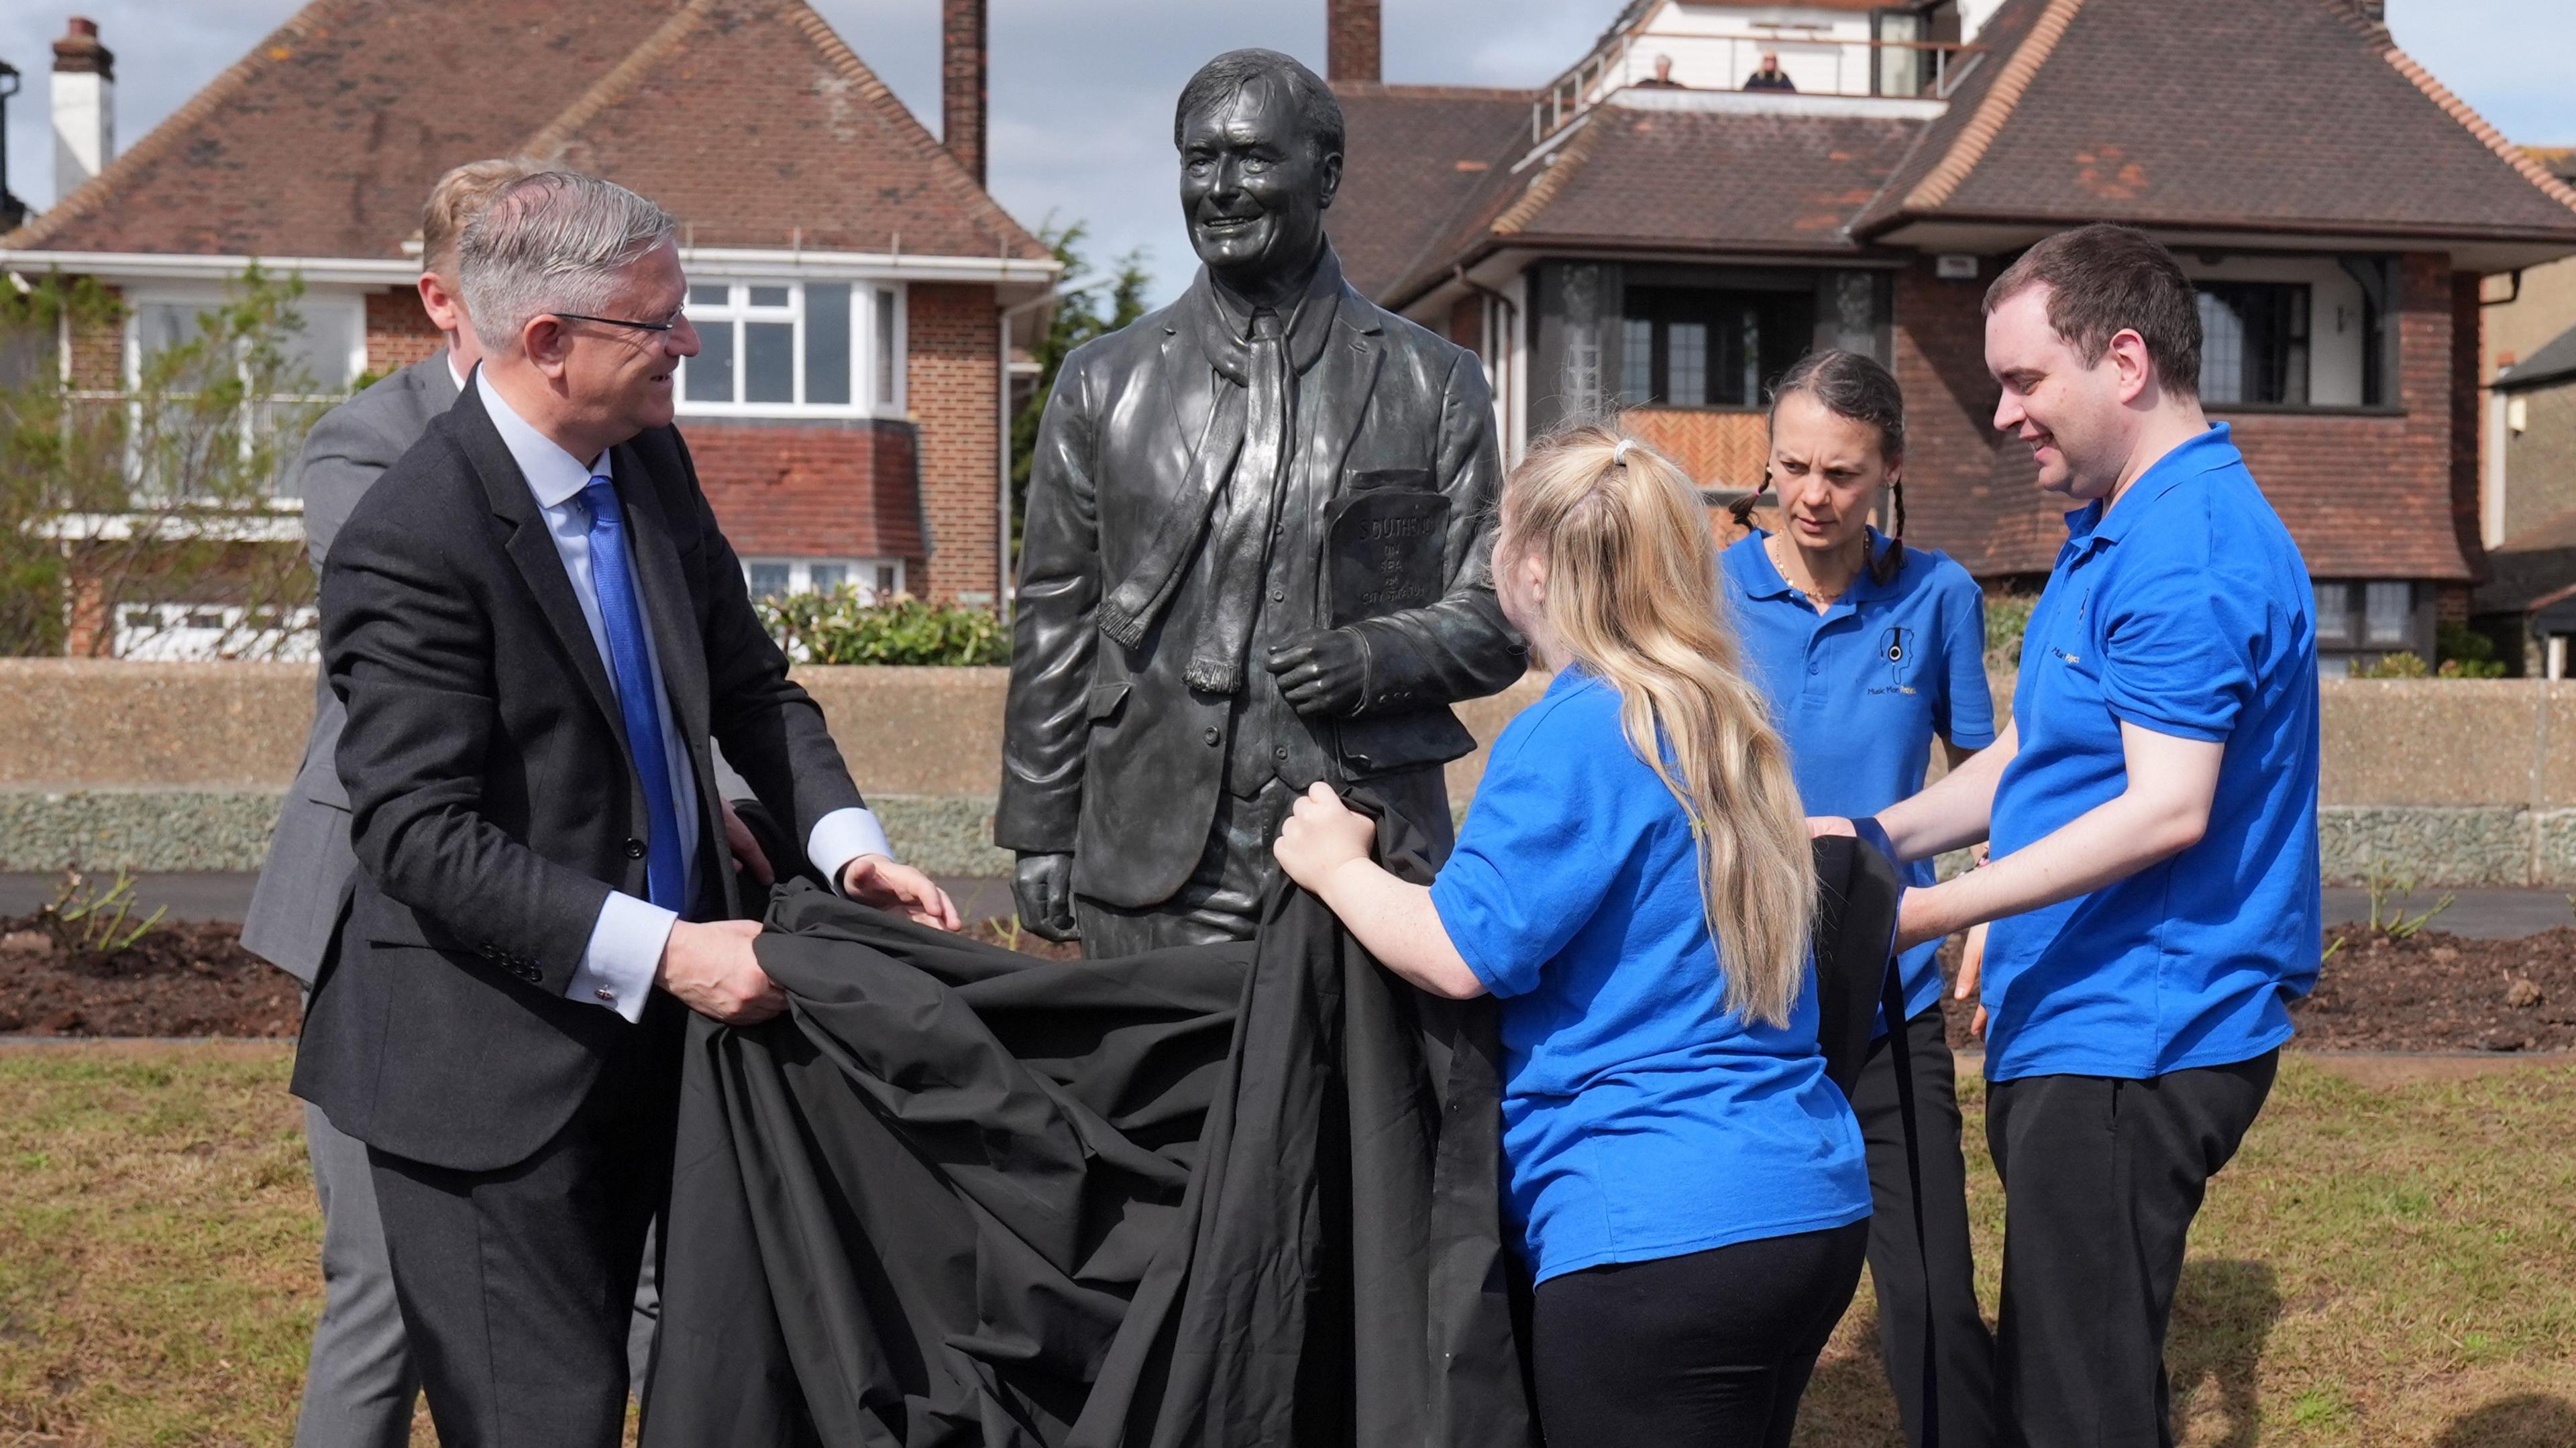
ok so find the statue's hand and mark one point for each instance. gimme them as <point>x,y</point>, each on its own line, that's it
<point>1042,889</point>
<point>1322,675</point>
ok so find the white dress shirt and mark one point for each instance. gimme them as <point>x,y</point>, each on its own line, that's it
<point>625,949</point>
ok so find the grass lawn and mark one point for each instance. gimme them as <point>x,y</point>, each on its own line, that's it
<point>2379,1266</point>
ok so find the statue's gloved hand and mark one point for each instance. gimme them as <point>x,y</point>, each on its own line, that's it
<point>1324,674</point>
<point>1042,890</point>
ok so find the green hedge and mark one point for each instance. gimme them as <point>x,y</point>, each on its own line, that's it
<point>842,628</point>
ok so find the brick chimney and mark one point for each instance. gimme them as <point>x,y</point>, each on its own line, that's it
<point>1351,40</point>
<point>961,83</point>
<point>84,106</point>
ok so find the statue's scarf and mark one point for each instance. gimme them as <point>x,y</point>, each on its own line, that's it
<point>1231,496</point>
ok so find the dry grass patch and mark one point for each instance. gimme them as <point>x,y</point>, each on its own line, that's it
<point>2382,1264</point>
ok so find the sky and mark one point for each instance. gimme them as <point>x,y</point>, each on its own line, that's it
<point>1082,89</point>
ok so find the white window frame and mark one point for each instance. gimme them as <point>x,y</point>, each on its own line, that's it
<point>351,305</point>
<point>737,309</point>
<point>867,573</point>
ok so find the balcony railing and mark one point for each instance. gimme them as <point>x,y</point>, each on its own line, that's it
<point>1900,69</point>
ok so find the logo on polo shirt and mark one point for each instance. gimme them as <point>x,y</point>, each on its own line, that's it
<point>1896,650</point>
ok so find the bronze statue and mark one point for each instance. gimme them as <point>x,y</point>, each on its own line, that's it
<point>1255,553</point>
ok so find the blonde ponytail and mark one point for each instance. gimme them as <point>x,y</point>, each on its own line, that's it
<point>1632,597</point>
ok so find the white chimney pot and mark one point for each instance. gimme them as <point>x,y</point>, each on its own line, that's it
<point>84,107</point>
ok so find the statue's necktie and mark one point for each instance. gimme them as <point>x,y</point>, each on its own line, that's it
<point>1242,542</point>
<point>621,616</point>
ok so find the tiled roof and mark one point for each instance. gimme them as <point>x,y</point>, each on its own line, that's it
<point>2555,361</point>
<point>1709,180</point>
<point>1661,171</point>
<point>2276,115</point>
<point>2534,567</point>
<point>1415,155</point>
<point>748,118</point>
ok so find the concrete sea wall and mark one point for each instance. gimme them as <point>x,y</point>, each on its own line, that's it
<point>180,767</point>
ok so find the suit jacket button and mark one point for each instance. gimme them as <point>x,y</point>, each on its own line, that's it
<point>634,849</point>
<point>1213,735</point>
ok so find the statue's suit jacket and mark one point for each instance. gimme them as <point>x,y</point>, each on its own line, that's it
<point>1108,755</point>
<point>304,885</point>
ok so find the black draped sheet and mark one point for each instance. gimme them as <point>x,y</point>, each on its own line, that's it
<point>1241,1194</point>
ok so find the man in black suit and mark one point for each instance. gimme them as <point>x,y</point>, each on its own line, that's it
<point>1255,554</point>
<point>536,629</point>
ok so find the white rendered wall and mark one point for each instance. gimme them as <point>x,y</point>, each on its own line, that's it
<point>84,128</point>
<point>2336,340</point>
<point>1714,47</point>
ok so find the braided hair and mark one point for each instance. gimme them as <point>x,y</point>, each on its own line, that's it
<point>1855,387</point>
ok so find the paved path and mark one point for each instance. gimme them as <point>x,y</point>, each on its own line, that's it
<point>213,896</point>
<point>2483,914</point>
<point>2478,914</point>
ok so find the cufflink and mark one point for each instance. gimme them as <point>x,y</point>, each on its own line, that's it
<point>604,993</point>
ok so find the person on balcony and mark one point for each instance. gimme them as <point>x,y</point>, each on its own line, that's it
<point>1770,77</point>
<point>1663,76</point>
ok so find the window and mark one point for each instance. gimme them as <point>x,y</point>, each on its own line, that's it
<point>786,348</point>
<point>2360,621</point>
<point>1700,347</point>
<point>876,579</point>
<point>322,355</point>
<point>2254,342</point>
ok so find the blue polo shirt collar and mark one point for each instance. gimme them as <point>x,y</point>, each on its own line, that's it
<point>1768,582</point>
<point>2206,453</point>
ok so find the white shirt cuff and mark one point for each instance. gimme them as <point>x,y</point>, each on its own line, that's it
<point>843,836</point>
<point>625,952</point>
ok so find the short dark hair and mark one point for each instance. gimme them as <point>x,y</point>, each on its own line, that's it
<point>2103,280</point>
<point>1221,79</point>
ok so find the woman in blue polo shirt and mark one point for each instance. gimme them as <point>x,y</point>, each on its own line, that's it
<point>1869,652</point>
<point>1634,882</point>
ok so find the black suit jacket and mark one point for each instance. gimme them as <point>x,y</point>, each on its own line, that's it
<point>493,802</point>
<point>1107,753</point>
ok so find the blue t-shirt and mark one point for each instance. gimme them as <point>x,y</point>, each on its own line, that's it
<point>1641,1120</point>
<point>1861,690</point>
<point>2185,610</point>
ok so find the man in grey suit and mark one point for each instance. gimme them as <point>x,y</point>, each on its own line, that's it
<point>361,1383</point>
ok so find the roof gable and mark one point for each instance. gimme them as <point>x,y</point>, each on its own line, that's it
<point>326,137</point>
<point>758,127</point>
<point>2268,114</point>
<point>749,119</point>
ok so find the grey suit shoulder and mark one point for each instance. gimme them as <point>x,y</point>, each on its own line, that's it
<point>295,908</point>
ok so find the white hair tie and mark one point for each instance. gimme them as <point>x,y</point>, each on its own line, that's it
<point>1619,454</point>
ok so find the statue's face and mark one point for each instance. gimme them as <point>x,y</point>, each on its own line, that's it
<point>1252,186</point>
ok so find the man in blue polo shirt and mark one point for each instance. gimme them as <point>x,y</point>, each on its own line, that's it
<point>2152,808</point>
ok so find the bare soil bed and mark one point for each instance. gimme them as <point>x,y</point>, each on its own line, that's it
<point>2427,992</point>
<point>2430,991</point>
<point>188,979</point>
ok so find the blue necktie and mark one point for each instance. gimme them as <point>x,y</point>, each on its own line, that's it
<point>621,614</point>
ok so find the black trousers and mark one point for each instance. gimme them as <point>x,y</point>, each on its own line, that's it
<point>2101,1180</point>
<point>1710,1350</point>
<point>516,1285</point>
<point>1965,1361</point>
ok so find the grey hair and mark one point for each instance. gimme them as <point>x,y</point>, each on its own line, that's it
<point>557,241</point>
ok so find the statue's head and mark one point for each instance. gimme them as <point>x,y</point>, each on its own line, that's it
<point>1260,138</point>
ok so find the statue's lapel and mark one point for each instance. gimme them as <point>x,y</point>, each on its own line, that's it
<point>1337,390</point>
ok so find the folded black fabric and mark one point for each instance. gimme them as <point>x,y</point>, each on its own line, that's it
<point>1240,1194</point>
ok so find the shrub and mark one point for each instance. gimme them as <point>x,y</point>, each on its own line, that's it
<point>2463,653</point>
<point>842,627</point>
<point>2007,617</point>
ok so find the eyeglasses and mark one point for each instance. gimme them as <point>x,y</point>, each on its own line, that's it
<point>619,321</point>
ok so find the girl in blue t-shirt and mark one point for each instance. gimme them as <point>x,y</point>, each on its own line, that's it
<point>1869,652</point>
<point>1634,882</point>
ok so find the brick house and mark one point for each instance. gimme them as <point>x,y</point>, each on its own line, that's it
<point>1609,242</point>
<point>855,286</point>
